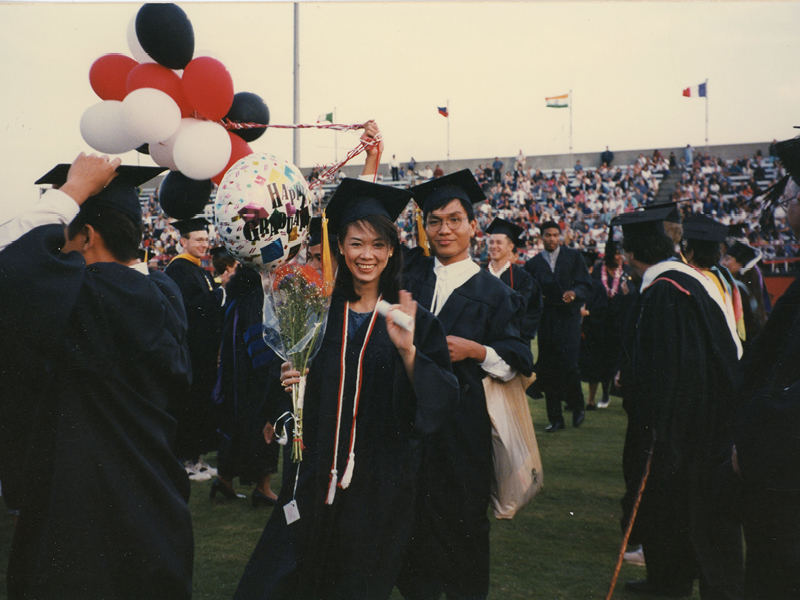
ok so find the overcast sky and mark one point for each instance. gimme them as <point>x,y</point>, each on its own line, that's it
<point>626,64</point>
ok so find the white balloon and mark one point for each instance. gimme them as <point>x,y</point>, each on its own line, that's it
<point>202,150</point>
<point>150,115</point>
<point>102,127</point>
<point>133,43</point>
<point>161,152</point>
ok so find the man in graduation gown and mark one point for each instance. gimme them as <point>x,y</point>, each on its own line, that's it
<point>564,279</point>
<point>204,300</point>
<point>766,453</point>
<point>503,241</point>
<point>450,547</point>
<point>678,391</point>
<point>103,510</point>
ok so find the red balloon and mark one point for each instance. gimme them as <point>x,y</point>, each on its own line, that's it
<point>208,87</point>
<point>239,149</point>
<point>109,76</point>
<point>153,75</point>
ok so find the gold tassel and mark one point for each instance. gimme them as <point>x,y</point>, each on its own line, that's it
<point>327,259</point>
<point>422,239</point>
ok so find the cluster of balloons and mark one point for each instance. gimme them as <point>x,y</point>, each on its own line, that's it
<point>262,211</point>
<point>168,103</point>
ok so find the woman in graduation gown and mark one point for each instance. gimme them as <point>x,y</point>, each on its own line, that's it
<point>373,392</point>
<point>609,276</point>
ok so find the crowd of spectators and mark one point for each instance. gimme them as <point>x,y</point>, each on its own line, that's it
<point>583,200</point>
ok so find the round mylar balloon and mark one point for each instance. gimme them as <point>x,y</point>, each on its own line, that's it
<point>262,210</point>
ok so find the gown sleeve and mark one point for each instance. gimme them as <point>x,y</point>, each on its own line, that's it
<point>530,290</point>
<point>435,388</point>
<point>505,337</point>
<point>582,281</point>
<point>54,207</point>
<point>40,287</point>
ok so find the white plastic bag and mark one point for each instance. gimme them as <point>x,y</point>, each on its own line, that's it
<point>517,464</point>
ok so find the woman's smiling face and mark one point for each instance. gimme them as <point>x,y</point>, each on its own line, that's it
<point>365,254</point>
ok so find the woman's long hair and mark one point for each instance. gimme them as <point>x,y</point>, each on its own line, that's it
<point>389,283</point>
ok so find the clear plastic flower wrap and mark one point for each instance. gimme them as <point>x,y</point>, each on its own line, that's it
<point>296,302</point>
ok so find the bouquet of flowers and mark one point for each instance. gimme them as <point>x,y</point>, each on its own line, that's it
<point>296,302</point>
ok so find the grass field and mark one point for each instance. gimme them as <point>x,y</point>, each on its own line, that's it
<point>562,545</point>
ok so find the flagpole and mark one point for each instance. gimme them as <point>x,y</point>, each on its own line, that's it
<point>296,136</point>
<point>706,84</point>
<point>570,126</point>
<point>335,139</point>
<point>448,135</point>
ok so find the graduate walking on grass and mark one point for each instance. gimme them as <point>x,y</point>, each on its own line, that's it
<point>480,314</point>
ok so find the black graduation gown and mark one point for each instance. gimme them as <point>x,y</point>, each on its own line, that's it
<point>202,298</point>
<point>602,336</point>
<point>242,391</point>
<point>103,510</point>
<point>560,327</point>
<point>595,361</point>
<point>767,439</point>
<point>519,280</point>
<point>680,384</point>
<point>450,549</point>
<point>353,549</point>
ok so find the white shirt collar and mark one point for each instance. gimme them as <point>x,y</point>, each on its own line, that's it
<point>141,267</point>
<point>502,269</point>
<point>552,257</point>
<point>448,278</point>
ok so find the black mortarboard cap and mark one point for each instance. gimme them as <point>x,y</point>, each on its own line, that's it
<point>218,251</point>
<point>315,231</point>
<point>704,229</point>
<point>120,194</point>
<point>643,222</point>
<point>788,151</point>
<point>745,255</point>
<point>672,216</point>
<point>589,257</point>
<point>435,193</point>
<point>355,199</point>
<point>189,225</point>
<point>508,228</point>
<point>737,230</point>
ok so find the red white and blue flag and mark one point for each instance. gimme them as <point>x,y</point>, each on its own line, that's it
<point>443,111</point>
<point>699,91</point>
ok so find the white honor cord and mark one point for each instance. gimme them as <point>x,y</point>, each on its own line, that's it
<point>348,474</point>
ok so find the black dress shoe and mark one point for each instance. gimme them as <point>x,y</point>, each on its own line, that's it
<point>591,407</point>
<point>578,417</point>
<point>643,586</point>
<point>259,498</point>
<point>218,486</point>
<point>553,427</point>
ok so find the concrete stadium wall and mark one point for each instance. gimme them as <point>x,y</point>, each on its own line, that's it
<point>564,161</point>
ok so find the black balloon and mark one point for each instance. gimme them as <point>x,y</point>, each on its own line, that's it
<point>144,149</point>
<point>165,33</point>
<point>248,108</point>
<point>183,198</point>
